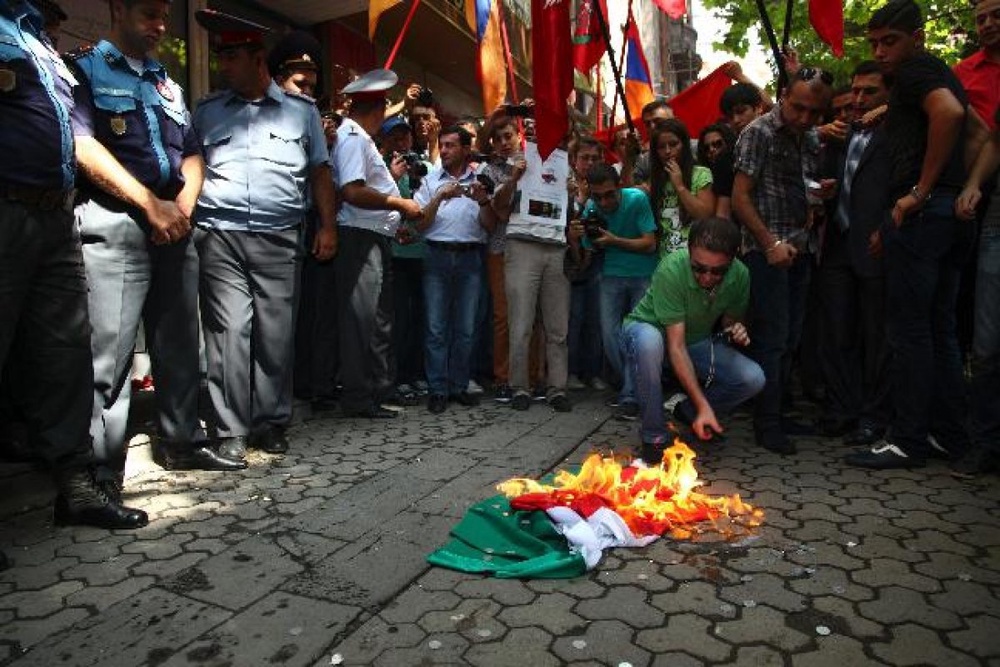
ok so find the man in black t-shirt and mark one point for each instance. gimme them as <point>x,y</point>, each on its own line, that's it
<point>924,245</point>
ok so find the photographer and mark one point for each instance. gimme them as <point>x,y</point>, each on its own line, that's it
<point>426,125</point>
<point>619,222</point>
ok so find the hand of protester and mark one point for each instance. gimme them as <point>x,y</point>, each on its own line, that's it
<point>404,235</point>
<point>520,165</point>
<point>837,130</point>
<point>781,255</point>
<point>574,232</point>
<point>739,334</point>
<point>827,189</point>
<point>325,243</point>
<point>433,131</point>
<point>875,244</point>
<point>874,116</point>
<point>168,222</point>
<point>968,200</point>
<point>605,239</point>
<point>412,92</point>
<point>905,206</point>
<point>791,61</point>
<point>477,192</point>
<point>733,70</point>
<point>675,174</point>
<point>449,191</point>
<point>398,167</point>
<point>706,424</point>
<point>633,147</point>
<point>410,209</point>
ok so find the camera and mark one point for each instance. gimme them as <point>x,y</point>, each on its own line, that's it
<point>519,110</point>
<point>593,225</point>
<point>415,167</point>
<point>425,97</point>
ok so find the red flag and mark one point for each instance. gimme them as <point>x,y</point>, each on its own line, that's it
<point>589,45</point>
<point>698,104</point>
<point>552,71</point>
<point>674,8</point>
<point>827,18</point>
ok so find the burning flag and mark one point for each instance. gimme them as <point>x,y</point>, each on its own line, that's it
<point>561,529</point>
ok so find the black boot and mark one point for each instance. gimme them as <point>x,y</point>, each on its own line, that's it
<point>82,501</point>
<point>188,456</point>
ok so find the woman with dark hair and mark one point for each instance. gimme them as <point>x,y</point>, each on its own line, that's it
<point>715,151</point>
<point>679,189</point>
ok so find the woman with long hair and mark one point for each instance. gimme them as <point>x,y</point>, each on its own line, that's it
<point>715,151</point>
<point>679,190</point>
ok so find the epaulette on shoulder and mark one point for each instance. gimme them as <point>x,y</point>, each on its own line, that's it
<point>299,96</point>
<point>79,52</point>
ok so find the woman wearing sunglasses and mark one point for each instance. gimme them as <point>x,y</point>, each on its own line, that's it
<point>715,151</point>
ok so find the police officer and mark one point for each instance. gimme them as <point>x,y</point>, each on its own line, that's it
<point>368,220</point>
<point>143,172</point>
<point>43,291</point>
<point>294,63</point>
<point>263,147</point>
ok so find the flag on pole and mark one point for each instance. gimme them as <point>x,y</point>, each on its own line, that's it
<point>484,20</point>
<point>675,9</point>
<point>697,106</point>
<point>638,86</point>
<point>375,9</point>
<point>589,45</point>
<point>827,18</point>
<point>552,71</point>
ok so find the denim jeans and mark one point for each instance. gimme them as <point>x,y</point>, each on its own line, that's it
<point>923,264</point>
<point>735,378</point>
<point>586,353</point>
<point>451,291</point>
<point>618,297</point>
<point>777,310</point>
<point>986,343</point>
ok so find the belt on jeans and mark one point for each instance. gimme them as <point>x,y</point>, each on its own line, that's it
<point>44,199</point>
<point>454,247</point>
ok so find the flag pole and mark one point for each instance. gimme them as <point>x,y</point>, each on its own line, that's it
<point>785,35</point>
<point>402,33</point>
<point>614,66</point>
<point>621,66</point>
<point>599,98</point>
<point>511,72</point>
<point>772,40</point>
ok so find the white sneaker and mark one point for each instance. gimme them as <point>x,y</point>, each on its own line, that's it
<point>573,383</point>
<point>671,403</point>
<point>599,384</point>
<point>473,387</point>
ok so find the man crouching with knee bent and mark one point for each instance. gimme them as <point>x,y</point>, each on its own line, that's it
<point>692,292</point>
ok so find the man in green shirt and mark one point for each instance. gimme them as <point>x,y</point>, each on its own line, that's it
<point>673,324</point>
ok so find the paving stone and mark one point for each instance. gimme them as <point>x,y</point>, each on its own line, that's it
<point>830,581</point>
<point>761,625</point>
<point>695,597</point>
<point>434,650</point>
<point>605,642</point>
<point>895,604</point>
<point>843,617</point>
<point>980,638</point>
<point>367,643</point>
<point>835,651</point>
<point>686,633</point>
<point>278,629</point>
<point>764,589</point>
<point>675,659</point>
<point>758,656</point>
<point>40,603</point>
<point>99,597</point>
<point>452,498</point>
<point>640,571</point>
<point>521,647</point>
<point>582,588</point>
<point>552,611</point>
<point>627,603</point>
<point>885,572</point>
<point>507,592</point>
<point>916,645</point>
<point>966,598</point>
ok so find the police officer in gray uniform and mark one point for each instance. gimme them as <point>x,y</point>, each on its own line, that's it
<point>43,291</point>
<point>143,172</point>
<point>263,148</point>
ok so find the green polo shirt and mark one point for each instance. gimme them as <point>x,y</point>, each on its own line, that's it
<point>675,296</point>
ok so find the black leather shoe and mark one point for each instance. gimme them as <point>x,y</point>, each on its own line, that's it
<point>233,448</point>
<point>82,502</point>
<point>437,403</point>
<point>560,403</point>
<point>271,440</point>
<point>775,441</point>
<point>521,401</point>
<point>198,458</point>
<point>374,412</point>
<point>883,455</point>
<point>866,435</point>
<point>466,399</point>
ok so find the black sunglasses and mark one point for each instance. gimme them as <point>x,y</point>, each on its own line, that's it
<point>810,73</point>
<point>701,269</point>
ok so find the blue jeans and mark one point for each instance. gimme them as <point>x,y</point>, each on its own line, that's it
<point>586,353</point>
<point>451,291</point>
<point>777,310</point>
<point>735,378</point>
<point>986,343</point>
<point>923,265</point>
<point>618,297</point>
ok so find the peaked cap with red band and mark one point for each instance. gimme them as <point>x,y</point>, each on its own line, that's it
<point>371,85</point>
<point>229,31</point>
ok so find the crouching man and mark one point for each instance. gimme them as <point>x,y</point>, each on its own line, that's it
<point>672,326</point>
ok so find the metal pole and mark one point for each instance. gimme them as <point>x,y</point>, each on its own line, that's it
<point>614,66</point>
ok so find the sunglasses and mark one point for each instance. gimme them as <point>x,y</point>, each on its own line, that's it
<point>810,73</point>
<point>717,144</point>
<point>701,269</point>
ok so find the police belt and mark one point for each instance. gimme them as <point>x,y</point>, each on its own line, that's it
<point>44,199</point>
<point>454,247</point>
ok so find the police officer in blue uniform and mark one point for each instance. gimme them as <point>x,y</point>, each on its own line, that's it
<point>266,156</point>
<point>43,290</point>
<point>142,172</point>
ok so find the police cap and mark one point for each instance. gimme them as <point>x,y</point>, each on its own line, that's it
<point>229,32</point>
<point>372,85</point>
<point>297,50</point>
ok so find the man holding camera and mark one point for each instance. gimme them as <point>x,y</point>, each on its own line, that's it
<point>451,198</point>
<point>691,290</point>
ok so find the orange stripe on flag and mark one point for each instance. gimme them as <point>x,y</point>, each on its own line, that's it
<point>375,9</point>
<point>492,69</point>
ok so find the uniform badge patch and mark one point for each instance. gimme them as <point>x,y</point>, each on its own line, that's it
<point>118,125</point>
<point>8,80</point>
<point>164,90</point>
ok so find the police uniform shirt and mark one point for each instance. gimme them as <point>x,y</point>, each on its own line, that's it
<point>258,155</point>
<point>356,158</point>
<point>457,219</point>
<point>36,98</point>
<point>139,117</point>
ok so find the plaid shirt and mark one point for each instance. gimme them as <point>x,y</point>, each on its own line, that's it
<point>779,163</point>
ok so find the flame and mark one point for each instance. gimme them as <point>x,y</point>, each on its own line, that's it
<point>651,501</point>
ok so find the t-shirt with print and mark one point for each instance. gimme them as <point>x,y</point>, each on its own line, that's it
<point>673,227</point>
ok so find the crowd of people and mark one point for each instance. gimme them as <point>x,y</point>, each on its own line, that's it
<point>374,258</point>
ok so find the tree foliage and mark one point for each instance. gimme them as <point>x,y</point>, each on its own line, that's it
<point>950,30</point>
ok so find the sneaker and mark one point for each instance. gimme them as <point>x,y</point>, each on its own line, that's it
<point>598,384</point>
<point>521,401</point>
<point>474,388</point>
<point>937,450</point>
<point>671,403</point>
<point>612,402</point>
<point>560,403</point>
<point>502,393</point>
<point>539,394</point>
<point>883,455</point>
<point>627,412</point>
<point>573,383</point>
<point>422,388</point>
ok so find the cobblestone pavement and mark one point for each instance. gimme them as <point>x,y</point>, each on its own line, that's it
<point>317,558</point>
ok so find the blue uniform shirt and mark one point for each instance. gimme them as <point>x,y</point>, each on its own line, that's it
<point>140,118</point>
<point>258,155</point>
<point>36,98</point>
